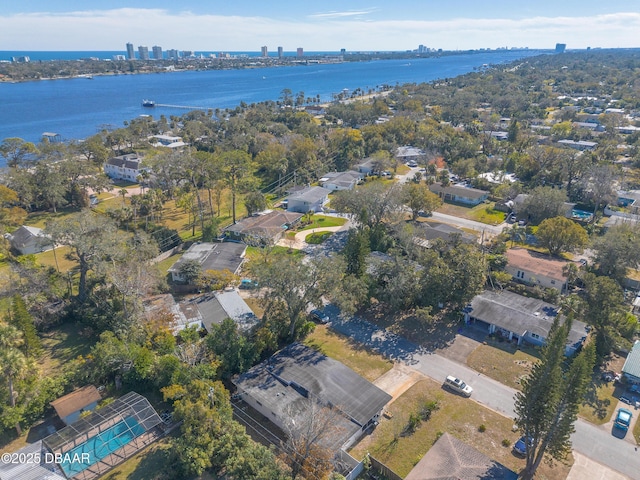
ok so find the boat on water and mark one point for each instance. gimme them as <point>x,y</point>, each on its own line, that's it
<point>148,103</point>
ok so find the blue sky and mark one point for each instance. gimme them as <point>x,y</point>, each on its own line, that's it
<point>245,25</point>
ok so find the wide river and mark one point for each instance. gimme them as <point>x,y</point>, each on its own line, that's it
<point>78,108</point>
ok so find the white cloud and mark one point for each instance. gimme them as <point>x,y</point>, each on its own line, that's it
<point>111,29</point>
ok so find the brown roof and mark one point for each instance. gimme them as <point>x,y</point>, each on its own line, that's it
<point>536,263</point>
<point>268,224</point>
<point>76,400</point>
<point>452,459</point>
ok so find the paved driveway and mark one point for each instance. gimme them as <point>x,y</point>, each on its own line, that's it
<point>592,441</point>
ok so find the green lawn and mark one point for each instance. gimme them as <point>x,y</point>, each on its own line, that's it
<point>48,259</point>
<point>460,417</point>
<point>483,213</point>
<point>168,262</point>
<point>61,345</point>
<point>364,362</point>
<point>503,362</point>
<point>599,404</point>
<point>319,221</point>
<point>317,238</point>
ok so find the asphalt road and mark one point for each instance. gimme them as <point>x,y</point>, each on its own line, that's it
<point>595,442</point>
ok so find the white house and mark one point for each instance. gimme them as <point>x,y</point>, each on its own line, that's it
<point>340,180</point>
<point>28,240</point>
<point>309,199</point>
<point>520,319</point>
<point>124,167</point>
<point>457,194</point>
<point>167,141</point>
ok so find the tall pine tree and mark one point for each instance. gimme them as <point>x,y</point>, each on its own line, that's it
<point>23,321</point>
<point>547,406</point>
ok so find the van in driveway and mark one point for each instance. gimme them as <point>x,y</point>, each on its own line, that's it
<point>458,386</point>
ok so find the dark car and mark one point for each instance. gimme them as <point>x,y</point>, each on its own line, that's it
<point>318,316</point>
<point>520,447</point>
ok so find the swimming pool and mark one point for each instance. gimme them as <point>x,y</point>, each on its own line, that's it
<point>101,446</point>
<point>581,214</point>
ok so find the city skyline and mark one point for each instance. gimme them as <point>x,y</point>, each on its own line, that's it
<point>363,26</point>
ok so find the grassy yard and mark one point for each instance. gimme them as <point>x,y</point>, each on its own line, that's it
<point>61,345</point>
<point>319,221</point>
<point>503,362</point>
<point>599,403</point>
<point>317,238</point>
<point>364,362</point>
<point>483,213</point>
<point>48,259</point>
<point>461,417</point>
<point>168,262</point>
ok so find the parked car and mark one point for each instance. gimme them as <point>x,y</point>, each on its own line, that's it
<point>458,386</point>
<point>511,218</point>
<point>247,283</point>
<point>422,213</point>
<point>623,419</point>
<point>520,447</point>
<point>412,163</point>
<point>319,316</point>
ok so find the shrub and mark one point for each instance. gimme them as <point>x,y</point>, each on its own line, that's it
<point>506,442</point>
<point>427,409</point>
<point>482,428</point>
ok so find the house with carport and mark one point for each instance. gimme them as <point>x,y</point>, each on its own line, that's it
<point>520,319</point>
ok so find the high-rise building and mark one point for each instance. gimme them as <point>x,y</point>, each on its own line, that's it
<point>130,53</point>
<point>300,52</point>
<point>118,58</point>
<point>157,52</point>
<point>143,53</point>
<point>561,47</point>
<point>280,52</point>
<point>343,51</point>
<point>264,51</point>
<point>172,54</point>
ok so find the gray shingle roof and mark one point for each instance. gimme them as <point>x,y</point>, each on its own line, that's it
<point>214,256</point>
<point>520,314</point>
<point>472,193</point>
<point>284,379</point>
<point>309,194</point>
<point>452,459</point>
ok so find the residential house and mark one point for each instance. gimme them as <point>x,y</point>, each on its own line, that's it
<point>579,145</point>
<point>630,200</point>
<point>124,167</point>
<point>263,228</point>
<point>631,367</point>
<point>309,199</point>
<point>536,269</point>
<point>163,308</point>
<point>458,194</point>
<point>450,458</point>
<point>315,110</point>
<point>498,135</point>
<point>366,167</point>
<point>167,141</point>
<point>282,387</point>
<point>518,203</point>
<point>426,233</point>
<point>211,256</point>
<point>520,319</point>
<point>45,469</point>
<point>340,180</point>
<point>409,154</point>
<point>212,308</point>
<point>71,406</point>
<point>28,240</point>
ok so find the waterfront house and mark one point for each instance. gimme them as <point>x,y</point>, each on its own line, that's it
<point>124,167</point>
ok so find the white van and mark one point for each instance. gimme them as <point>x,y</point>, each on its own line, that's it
<point>458,386</point>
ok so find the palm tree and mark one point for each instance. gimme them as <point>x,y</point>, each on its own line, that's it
<point>12,361</point>
<point>123,192</point>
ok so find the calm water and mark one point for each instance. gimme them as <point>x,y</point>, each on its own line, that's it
<point>77,108</point>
